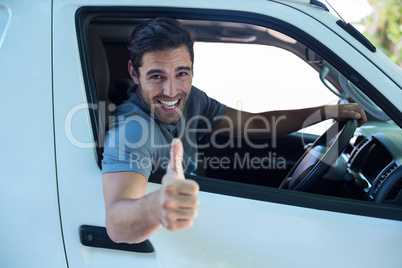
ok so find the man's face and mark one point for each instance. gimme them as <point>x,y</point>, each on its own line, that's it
<point>164,82</point>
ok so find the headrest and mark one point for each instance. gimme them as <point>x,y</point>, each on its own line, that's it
<point>100,66</point>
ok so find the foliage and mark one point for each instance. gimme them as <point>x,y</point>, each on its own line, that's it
<point>384,27</point>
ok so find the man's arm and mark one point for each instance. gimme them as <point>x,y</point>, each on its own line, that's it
<point>132,217</point>
<point>287,121</point>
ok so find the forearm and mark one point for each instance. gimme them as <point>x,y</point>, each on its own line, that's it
<point>279,123</point>
<point>272,123</point>
<point>283,122</point>
<point>132,217</point>
<point>289,121</point>
<point>133,221</point>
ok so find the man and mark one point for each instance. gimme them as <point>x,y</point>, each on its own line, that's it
<point>164,106</point>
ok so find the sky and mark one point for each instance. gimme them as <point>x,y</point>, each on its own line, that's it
<point>351,10</point>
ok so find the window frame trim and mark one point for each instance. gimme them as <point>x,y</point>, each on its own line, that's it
<point>84,15</point>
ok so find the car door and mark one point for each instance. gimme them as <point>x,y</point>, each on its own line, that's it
<point>239,225</point>
<point>30,229</point>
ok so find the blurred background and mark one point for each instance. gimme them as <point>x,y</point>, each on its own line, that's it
<point>379,20</point>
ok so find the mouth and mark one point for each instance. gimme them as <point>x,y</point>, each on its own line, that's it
<point>170,106</point>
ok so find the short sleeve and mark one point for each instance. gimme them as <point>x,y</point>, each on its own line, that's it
<point>209,107</point>
<point>126,146</point>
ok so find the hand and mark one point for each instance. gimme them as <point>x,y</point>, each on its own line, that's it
<point>343,112</point>
<point>178,196</point>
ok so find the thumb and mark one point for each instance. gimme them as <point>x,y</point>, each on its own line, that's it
<point>175,167</point>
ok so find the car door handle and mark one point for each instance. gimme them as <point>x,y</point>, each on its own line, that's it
<point>94,236</point>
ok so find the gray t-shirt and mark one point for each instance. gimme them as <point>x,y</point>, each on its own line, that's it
<point>137,141</point>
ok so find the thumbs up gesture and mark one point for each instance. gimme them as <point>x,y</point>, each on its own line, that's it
<point>178,196</point>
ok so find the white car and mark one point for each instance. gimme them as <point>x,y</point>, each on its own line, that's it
<point>64,69</point>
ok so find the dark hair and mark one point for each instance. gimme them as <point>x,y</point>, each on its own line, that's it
<point>158,34</point>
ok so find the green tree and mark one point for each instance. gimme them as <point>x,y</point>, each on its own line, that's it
<point>384,27</point>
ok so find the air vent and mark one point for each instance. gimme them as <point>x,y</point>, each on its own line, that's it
<point>360,139</point>
<point>396,189</point>
<point>383,177</point>
<point>358,147</point>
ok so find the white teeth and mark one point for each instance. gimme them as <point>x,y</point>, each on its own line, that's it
<point>169,104</point>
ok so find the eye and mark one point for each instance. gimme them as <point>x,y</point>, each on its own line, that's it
<point>156,76</point>
<point>182,74</point>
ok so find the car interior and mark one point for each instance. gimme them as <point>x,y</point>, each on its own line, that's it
<point>366,167</point>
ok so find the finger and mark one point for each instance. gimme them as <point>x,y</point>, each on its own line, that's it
<point>179,219</point>
<point>173,218</point>
<point>360,117</point>
<point>175,167</point>
<point>349,114</point>
<point>187,201</point>
<point>357,112</point>
<point>178,225</point>
<point>189,187</point>
<point>355,115</point>
<point>186,187</point>
<point>363,117</point>
<point>183,214</point>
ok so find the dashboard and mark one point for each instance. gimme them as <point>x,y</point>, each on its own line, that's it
<point>375,158</point>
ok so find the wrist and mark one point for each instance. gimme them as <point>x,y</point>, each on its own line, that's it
<point>329,111</point>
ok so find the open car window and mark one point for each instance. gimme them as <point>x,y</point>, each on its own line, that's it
<point>258,78</point>
<point>240,64</point>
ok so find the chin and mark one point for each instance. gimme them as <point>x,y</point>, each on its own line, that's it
<point>169,120</point>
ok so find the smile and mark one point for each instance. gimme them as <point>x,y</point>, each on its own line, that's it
<point>169,104</point>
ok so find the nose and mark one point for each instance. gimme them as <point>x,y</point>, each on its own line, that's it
<point>170,88</point>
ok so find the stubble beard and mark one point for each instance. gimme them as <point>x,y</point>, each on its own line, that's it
<point>154,108</point>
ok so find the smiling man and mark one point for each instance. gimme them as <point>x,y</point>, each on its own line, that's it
<point>171,66</point>
<point>164,105</point>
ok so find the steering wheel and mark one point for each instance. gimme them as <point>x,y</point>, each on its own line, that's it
<point>319,157</point>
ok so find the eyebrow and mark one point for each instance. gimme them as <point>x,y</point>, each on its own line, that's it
<point>159,71</point>
<point>154,71</point>
<point>181,68</point>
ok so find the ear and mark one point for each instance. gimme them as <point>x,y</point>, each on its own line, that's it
<point>132,72</point>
